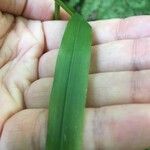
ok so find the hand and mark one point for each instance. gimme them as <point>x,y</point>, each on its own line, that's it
<point>117,113</point>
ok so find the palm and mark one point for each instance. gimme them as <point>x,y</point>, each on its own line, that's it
<point>27,62</point>
<point>22,43</point>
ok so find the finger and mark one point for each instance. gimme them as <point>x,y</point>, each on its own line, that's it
<point>103,31</point>
<point>115,128</point>
<point>124,55</point>
<point>104,89</point>
<point>34,9</point>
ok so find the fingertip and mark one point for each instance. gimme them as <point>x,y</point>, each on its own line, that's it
<point>42,10</point>
<point>46,70</point>
<point>37,95</point>
<point>54,31</point>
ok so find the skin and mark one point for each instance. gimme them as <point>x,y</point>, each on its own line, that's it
<point>117,110</point>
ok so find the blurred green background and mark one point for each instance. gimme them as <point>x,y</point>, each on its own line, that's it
<point>104,9</point>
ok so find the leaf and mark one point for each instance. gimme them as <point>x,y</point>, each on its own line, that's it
<point>68,95</point>
<point>115,9</point>
<point>90,7</point>
<point>73,2</point>
<point>138,4</point>
<point>105,9</point>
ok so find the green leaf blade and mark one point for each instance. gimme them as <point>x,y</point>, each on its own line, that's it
<point>58,93</point>
<point>68,94</point>
<point>77,90</point>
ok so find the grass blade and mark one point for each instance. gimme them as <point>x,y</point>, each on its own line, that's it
<point>68,96</point>
<point>57,11</point>
<point>66,7</point>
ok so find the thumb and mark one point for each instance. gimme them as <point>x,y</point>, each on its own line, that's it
<point>34,9</point>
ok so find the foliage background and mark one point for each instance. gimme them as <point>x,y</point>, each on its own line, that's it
<point>104,9</point>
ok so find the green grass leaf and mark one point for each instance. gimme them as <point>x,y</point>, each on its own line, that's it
<point>57,12</point>
<point>68,96</point>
